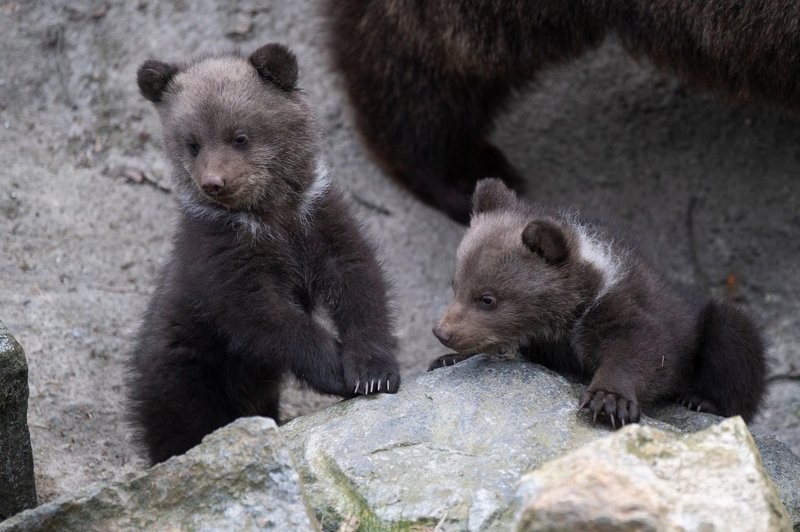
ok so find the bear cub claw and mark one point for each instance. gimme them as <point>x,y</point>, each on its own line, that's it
<point>694,401</point>
<point>449,359</point>
<point>372,377</point>
<point>610,405</point>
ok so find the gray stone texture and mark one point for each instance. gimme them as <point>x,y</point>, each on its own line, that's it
<point>780,462</point>
<point>450,448</point>
<point>448,452</point>
<point>240,478</point>
<point>641,478</point>
<point>17,487</point>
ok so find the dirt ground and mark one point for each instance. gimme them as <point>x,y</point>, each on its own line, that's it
<point>86,211</point>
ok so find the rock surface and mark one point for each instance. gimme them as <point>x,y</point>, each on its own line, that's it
<point>17,487</point>
<point>240,478</point>
<point>448,452</point>
<point>780,462</point>
<point>640,478</point>
<point>450,448</point>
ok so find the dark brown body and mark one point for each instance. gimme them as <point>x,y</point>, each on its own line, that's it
<point>263,241</point>
<point>577,298</point>
<point>427,79</point>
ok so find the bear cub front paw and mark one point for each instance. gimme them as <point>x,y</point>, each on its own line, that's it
<point>611,405</point>
<point>371,374</point>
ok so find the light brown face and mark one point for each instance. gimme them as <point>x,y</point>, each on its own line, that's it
<point>238,132</point>
<point>483,315</point>
<point>241,143</point>
<point>504,291</point>
<point>222,172</point>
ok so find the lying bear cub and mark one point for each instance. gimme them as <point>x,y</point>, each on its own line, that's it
<point>575,297</point>
<point>264,239</point>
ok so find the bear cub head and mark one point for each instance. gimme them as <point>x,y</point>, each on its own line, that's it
<point>518,275</point>
<point>240,135</point>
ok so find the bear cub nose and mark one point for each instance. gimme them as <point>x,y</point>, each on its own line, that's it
<point>442,335</point>
<point>212,185</point>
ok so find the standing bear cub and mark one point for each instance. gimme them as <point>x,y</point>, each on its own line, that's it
<point>575,297</point>
<point>263,240</point>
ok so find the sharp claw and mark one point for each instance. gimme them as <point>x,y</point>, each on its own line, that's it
<point>594,417</point>
<point>623,421</point>
<point>379,385</point>
<point>356,390</point>
<point>613,423</point>
<point>699,407</point>
<point>584,404</point>
<point>387,385</point>
<point>689,406</point>
<point>371,386</point>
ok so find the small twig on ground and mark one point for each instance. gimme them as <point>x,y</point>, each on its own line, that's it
<point>134,175</point>
<point>56,38</point>
<point>784,377</point>
<point>371,206</point>
<point>119,290</point>
<point>438,527</point>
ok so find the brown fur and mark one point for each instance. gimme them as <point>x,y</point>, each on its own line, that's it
<point>427,79</point>
<point>576,297</point>
<point>264,240</point>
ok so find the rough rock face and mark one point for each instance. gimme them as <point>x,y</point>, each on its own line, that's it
<point>450,448</point>
<point>645,479</point>
<point>17,488</point>
<point>240,478</point>
<point>779,461</point>
<point>451,445</point>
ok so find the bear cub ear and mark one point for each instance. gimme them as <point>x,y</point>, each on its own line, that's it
<point>276,64</point>
<point>546,240</point>
<point>153,77</point>
<point>491,194</point>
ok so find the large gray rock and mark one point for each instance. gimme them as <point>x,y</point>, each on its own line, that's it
<point>451,445</point>
<point>780,462</point>
<point>640,478</point>
<point>17,488</point>
<point>450,448</point>
<point>241,477</point>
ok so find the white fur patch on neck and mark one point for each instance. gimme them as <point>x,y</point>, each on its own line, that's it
<point>315,192</point>
<point>244,223</point>
<point>599,253</point>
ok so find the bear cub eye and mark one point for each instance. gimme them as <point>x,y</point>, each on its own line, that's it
<point>240,140</point>
<point>487,302</point>
<point>193,146</point>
